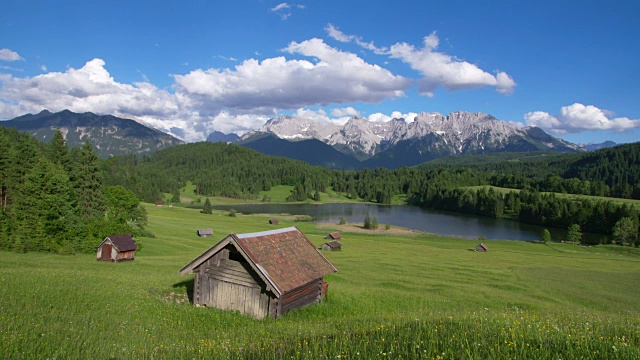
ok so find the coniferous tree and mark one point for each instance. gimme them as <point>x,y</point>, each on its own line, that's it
<point>44,213</point>
<point>58,151</point>
<point>206,209</point>
<point>374,223</point>
<point>86,177</point>
<point>367,221</point>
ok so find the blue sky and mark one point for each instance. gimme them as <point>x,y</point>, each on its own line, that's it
<point>191,67</point>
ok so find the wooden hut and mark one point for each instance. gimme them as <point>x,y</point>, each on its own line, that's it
<point>205,232</point>
<point>159,203</point>
<point>260,274</point>
<point>482,248</point>
<point>332,246</point>
<point>117,248</point>
<point>273,221</point>
<point>334,236</point>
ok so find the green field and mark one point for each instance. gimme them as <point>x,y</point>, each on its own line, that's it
<point>277,194</point>
<point>406,296</point>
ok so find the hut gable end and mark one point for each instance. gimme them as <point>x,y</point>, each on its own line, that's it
<point>117,248</point>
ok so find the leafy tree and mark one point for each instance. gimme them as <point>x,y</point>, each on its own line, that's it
<point>573,234</point>
<point>206,209</point>
<point>342,221</point>
<point>124,214</point>
<point>625,231</point>
<point>545,237</point>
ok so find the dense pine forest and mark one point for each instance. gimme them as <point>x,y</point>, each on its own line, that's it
<point>66,201</point>
<point>53,199</point>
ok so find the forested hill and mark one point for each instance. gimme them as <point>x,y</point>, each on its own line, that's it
<point>618,167</point>
<point>216,169</point>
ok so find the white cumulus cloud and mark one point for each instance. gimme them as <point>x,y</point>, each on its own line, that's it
<point>347,111</point>
<point>9,55</point>
<point>578,118</point>
<point>336,34</point>
<point>380,117</point>
<point>439,69</point>
<point>277,83</point>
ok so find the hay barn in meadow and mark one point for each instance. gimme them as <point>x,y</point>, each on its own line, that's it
<point>260,274</point>
<point>117,248</point>
<point>205,232</point>
<point>334,236</point>
<point>482,248</point>
<point>332,246</point>
<point>273,221</point>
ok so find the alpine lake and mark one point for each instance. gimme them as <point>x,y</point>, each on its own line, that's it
<point>414,218</point>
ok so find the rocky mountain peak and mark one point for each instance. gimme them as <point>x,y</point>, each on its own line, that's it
<point>460,132</point>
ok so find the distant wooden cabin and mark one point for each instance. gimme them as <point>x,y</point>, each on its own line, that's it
<point>260,274</point>
<point>482,248</point>
<point>332,246</point>
<point>273,221</point>
<point>205,232</point>
<point>334,236</point>
<point>117,248</point>
<point>159,203</point>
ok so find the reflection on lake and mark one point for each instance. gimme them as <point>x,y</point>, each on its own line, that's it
<point>411,217</point>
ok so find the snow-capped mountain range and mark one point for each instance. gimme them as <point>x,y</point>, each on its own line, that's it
<point>427,136</point>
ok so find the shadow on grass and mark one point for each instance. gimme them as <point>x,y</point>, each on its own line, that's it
<point>188,285</point>
<point>558,250</point>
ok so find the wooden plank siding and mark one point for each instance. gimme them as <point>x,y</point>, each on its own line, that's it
<point>307,294</point>
<point>230,285</point>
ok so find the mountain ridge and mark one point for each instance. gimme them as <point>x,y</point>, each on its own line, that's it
<point>110,135</point>
<point>428,136</point>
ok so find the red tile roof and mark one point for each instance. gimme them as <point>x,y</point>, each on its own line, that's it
<point>334,244</point>
<point>123,242</point>
<point>285,256</point>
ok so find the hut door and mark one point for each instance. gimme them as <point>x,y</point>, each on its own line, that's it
<point>106,252</point>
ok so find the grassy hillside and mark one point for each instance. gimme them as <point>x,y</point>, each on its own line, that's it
<point>411,296</point>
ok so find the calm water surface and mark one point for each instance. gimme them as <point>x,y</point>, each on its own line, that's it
<point>411,217</point>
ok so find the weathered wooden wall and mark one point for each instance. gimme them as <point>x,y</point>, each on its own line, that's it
<point>307,294</point>
<point>230,285</point>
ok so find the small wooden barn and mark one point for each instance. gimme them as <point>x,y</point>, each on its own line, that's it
<point>159,203</point>
<point>205,232</point>
<point>334,236</point>
<point>117,248</point>
<point>332,246</point>
<point>273,221</point>
<point>260,274</point>
<point>482,248</point>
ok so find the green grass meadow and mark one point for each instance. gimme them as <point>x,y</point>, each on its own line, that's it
<point>406,297</point>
